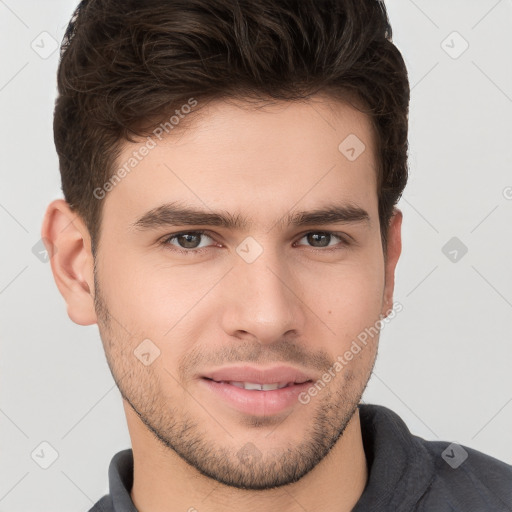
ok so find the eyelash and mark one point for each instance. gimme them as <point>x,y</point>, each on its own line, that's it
<point>165,242</point>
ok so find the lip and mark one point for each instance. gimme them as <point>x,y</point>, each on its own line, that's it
<point>256,402</point>
<point>258,375</point>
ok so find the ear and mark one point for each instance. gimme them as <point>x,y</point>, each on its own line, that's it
<point>68,243</point>
<point>394,248</point>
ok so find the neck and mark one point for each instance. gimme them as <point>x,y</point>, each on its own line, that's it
<point>165,482</point>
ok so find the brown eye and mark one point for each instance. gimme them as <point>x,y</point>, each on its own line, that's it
<point>192,240</point>
<point>319,239</point>
<point>188,240</point>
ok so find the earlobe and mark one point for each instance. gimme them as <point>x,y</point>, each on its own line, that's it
<point>69,247</point>
<point>394,249</point>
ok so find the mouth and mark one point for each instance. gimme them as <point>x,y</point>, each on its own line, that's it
<point>254,391</point>
<point>257,386</point>
<point>250,377</point>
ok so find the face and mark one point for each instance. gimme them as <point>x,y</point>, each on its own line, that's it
<point>182,300</point>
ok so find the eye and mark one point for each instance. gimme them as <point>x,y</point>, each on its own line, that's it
<point>323,239</point>
<point>187,242</point>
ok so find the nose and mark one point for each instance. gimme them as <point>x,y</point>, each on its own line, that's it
<point>264,300</point>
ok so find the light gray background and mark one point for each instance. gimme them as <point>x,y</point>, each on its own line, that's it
<point>444,362</point>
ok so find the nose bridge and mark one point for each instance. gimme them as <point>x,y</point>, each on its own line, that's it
<point>264,299</point>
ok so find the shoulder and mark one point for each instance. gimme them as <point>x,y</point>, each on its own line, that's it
<point>468,479</point>
<point>412,473</point>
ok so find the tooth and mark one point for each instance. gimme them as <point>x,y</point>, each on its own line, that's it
<point>259,387</point>
<point>251,385</point>
<point>269,387</point>
<point>237,384</point>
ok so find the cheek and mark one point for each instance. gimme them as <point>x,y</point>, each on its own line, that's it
<point>354,288</point>
<point>348,300</point>
<point>146,294</point>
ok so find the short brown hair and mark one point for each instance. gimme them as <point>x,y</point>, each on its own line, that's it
<point>127,63</point>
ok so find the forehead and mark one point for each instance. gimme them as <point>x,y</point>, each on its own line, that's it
<point>260,159</point>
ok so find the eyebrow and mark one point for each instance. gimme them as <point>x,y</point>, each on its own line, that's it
<point>176,214</point>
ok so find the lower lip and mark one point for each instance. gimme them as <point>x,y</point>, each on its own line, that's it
<point>257,403</point>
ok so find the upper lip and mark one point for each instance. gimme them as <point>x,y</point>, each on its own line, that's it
<point>258,375</point>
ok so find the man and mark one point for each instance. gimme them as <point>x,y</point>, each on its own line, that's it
<point>231,171</point>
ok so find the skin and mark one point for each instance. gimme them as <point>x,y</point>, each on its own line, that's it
<point>296,303</point>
